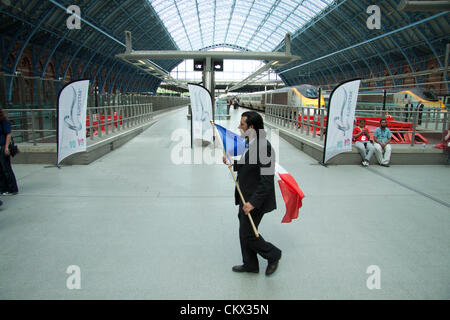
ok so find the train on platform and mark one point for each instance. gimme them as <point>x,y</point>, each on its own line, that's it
<point>297,96</point>
<point>307,96</point>
<point>415,96</point>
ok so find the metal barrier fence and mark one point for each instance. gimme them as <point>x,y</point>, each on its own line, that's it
<point>288,117</point>
<point>40,125</point>
<point>18,91</point>
<point>31,104</point>
<point>311,121</point>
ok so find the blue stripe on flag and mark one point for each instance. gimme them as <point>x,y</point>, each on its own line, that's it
<point>233,144</point>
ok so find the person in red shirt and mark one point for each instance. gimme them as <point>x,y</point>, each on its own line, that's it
<point>361,138</point>
<point>447,142</point>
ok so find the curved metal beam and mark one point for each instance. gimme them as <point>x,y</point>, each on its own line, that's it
<point>93,3</point>
<point>182,23</point>
<point>336,46</point>
<point>11,45</point>
<point>290,13</point>
<point>370,40</point>
<point>308,47</point>
<point>229,21</point>
<point>43,17</point>
<point>199,24</point>
<point>106,43</point>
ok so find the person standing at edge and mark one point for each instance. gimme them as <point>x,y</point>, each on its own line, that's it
<point>382,138</point>
<point>408,110</point>
<point>255,175</point>
<point>8,183</point>
<point>419,110</point>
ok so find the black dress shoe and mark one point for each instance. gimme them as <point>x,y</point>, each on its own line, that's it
<point>243,268</point>
<point>271,267</point>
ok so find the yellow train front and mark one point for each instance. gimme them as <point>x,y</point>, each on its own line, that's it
<point>416,96</point>
<point>297,96</point>
<point>373,99</point>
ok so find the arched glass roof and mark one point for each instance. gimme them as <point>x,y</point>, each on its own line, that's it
<point>257,25</point>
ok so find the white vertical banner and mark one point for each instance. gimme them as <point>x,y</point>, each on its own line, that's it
<point>201,106</point>
<point>72,107</point>
<point>341,115</point>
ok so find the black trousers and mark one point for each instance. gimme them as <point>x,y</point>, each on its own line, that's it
<point>420,110</point>
<point>8,181</point>
<point>252,245</point>
<point>408,112</point>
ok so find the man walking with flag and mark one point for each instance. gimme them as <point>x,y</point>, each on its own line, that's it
<point>255,170</point>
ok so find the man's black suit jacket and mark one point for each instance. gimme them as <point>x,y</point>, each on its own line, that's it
<point>256,170</point>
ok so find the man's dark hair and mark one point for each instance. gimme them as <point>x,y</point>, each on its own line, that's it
<point>261,154</point>
<point>383,119</point>
<point>254,119</point>
<point>2,115</point>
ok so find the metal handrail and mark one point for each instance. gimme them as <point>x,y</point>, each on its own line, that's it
<point>427,120</point>
<point>132,115</point>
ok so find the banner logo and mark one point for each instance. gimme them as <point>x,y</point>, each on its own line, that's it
<point>73,119</point>
<point>342,121</point>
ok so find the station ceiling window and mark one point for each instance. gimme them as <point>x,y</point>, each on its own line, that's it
<point>256,25</point>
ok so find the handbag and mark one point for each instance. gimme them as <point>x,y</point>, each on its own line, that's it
<point>13,148</point>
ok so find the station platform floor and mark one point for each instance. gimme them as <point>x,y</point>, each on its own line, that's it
<point>140,225</point>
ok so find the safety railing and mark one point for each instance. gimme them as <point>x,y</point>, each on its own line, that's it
<point>109,119</point>
<point>40,125</point>
<point>426,118</point>
<point>407,126</point>
<point>18,91</point>
<point>411,126</point>
<point>305,120</point>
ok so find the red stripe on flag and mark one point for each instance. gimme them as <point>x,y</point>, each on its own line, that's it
<point>292,196</point>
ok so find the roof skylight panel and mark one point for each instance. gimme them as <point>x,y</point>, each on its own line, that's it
<point>253,24</point>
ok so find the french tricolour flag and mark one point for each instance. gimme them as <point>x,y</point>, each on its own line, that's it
<point>292,194</point>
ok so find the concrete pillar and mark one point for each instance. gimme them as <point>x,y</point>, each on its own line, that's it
<point>208,80</point>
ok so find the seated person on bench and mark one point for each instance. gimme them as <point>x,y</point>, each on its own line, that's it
<point>362,142</point>
<point>382,138</point>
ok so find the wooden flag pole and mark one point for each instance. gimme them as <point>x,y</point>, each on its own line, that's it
<point>235,181</point>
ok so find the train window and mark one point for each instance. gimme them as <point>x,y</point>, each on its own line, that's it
<point>430,96</point>
<point>406,96</point>
<point>310,93</point>
<point>280,98</point>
